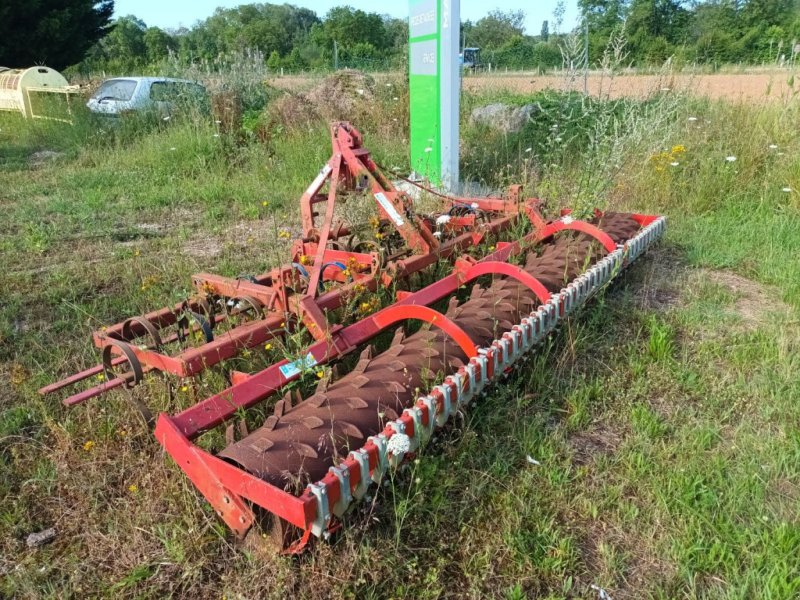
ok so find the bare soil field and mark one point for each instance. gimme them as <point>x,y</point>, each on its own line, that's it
<point>772,86</point>
<point>754,87</point>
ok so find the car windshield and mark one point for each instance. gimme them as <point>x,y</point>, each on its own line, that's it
<point>116,89</point>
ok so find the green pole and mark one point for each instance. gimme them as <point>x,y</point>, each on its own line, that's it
<point>434,89</point>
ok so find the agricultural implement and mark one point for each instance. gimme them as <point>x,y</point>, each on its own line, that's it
<point>512,276</point>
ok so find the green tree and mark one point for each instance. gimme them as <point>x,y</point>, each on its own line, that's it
<point>655,27</point>
<point>604,17</point>
<point>497,28</point>
<point>766,13</point>
<point>264,27</point>
<point>349,27</point>
<point>545,30</point>
<point>124,47</point>
<point>158,44</point>
<point>54,32</point>
<point>274,61</point>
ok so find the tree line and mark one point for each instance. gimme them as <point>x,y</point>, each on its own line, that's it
<point>703,32</point>
<point>80,34</point>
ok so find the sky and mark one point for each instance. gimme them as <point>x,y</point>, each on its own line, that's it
<point>184,13</point>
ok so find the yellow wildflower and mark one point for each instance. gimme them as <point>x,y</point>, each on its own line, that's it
<point>18,374</point>
<point>267,347</point>
<point>379,236</point>
<point>679,149</point>
<point>88,445</point>
<point>265,203</point>
<point>284,234</point>
<point>133,488</point>
<point>305,259</point>
<point>320,374</point>
<point>184,388</point>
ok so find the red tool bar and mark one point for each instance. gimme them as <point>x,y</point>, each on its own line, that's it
<point>95,391</point>
<point>233,288</point>
<point>224,485</point>
<point>86,374</point>
<point>227,344</point>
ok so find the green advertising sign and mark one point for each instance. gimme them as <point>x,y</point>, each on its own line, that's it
<point>434,79</point>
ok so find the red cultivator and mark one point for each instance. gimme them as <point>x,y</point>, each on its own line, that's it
<point>312,458</point>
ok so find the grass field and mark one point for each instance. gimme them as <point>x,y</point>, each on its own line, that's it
<point>665,417</point>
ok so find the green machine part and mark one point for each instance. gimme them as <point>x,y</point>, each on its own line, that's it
<point>434,86</point>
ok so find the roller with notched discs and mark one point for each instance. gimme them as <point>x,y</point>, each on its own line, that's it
<point>319,451</point>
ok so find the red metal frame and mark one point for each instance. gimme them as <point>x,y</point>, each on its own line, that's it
<point>289,296</point>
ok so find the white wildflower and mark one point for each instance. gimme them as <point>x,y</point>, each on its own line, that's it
<point>787,189</point>
<point>693,119</point>
<point>730,158</point>
<point>773,146</point>
<point>398,444</point>
<point>532,460</point>
<point>674,163</point>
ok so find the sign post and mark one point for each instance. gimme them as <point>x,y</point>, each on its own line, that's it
<point>434,28</point>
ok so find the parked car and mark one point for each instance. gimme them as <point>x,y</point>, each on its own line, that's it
<point>160,94</point>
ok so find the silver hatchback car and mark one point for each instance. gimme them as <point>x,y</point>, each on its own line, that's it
<point>161,94</point>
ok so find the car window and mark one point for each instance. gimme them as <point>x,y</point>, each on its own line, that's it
<point>173,91</point>
<point>116,89</point>
<point>162,91</point>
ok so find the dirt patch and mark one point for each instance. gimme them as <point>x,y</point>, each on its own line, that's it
<point>642,564</point>
<point>755,302</point>
<point>668,282</point>
<point>587,446</point>
<point>345,95</point>
<point>207,247</point>
<point>750,87</point>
